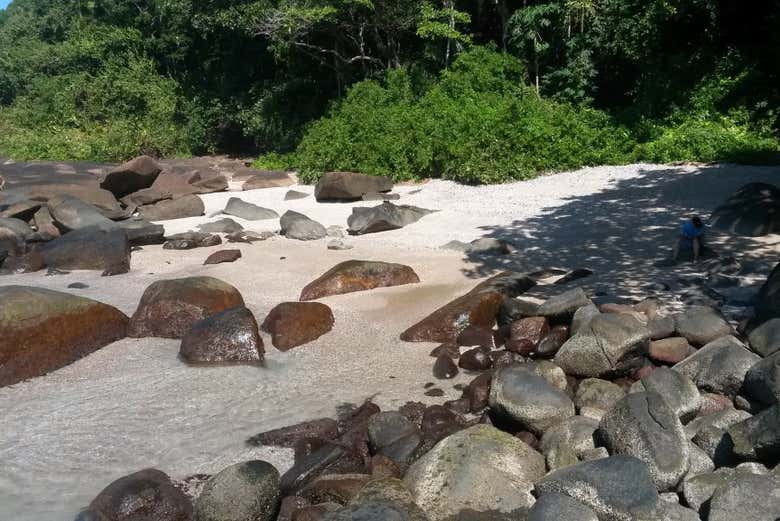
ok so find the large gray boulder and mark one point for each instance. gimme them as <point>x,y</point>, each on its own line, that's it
<point>701,325</point>
<point>521,396</point>
<point>720,366</point>
<point>610,343</point>
<point>299,227</point>
<point>564,305</point>
<point>644,426</point>
<point>560,507</point>
<point>71,213</point>
<point>349,186</point>
<point>711,433</point>
<point>747,496</point>
<point>384,217</point>
<point>678,390</point>
<point>251,212</point>
<point>480,468</point>
<point>565,443</point>
<point>618,488</point>
<point>762,381</point>
<point>697,490</point>
<point>752,211</point>
<point>765,339</point>
<point>91,248</point>
<point>758,438</point>
<point>242,492</point>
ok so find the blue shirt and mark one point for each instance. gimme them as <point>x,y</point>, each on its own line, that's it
<point>690,231</point>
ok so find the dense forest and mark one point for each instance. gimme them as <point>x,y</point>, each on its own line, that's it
<point>478,91</point>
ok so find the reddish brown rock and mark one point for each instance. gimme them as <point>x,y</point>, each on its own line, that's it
<point>293,324</point>
<point>334,488</point>
<point>532,329</point>
<point>383,467</point>
<point>144,496</point>
<point>169,308</point>
<point>186,206</point>
<point>43,330</point>
<point>475,360</point>
<point>180,184</point>
<point>478,392</point>
<point>476,336</point>
<point>670,350</point>
<point>450,350</point>
<point>89,192</point>
<point>356,275</point>
<point>259,179</point>
<point>223,256</point>
<point>521,346</point>
<point>290,505</point>
<point>45,224</point>
<point>288,437</point>
<point>228,336</point>
<point>550,344</point>
<point>444,368</point>
<point>712,402</point>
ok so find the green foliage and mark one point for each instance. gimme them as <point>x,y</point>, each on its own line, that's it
<point>478,124</point>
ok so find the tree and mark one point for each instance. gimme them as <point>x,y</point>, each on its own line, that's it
<point>444,24</point>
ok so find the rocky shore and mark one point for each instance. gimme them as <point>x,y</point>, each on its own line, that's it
<point>577,398</point>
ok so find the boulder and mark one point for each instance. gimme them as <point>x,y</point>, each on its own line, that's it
<point>478,307</point>
<point>267,179</point>
<point>444,368</point>
<point>186,206</point>
<point>560,507</point>
<point>44,330</point>
<point>747,496</point>
<point>141,233</point>
<point>91,248</point>
<point>71,213</point>
<point>292,324</point>
<point>709,433</point>
<point>602,395</point>
<point>170,308</point>
<point>643,425</point>
<point>758,438</point>
<point>90,193</point>
<point>145,495</point>
<point>513,309</point>
<point>327,459</point>
<point>752,211</point>
<point>553,341</point>
<point>480,468</point>
<point>357,275</point>
<point>349,186</point>
<point>14,232</point>
<point>334,488</point>
<point>384,217</point>
<point>251,212</point>
<point>380,500</point>
<point>145,196</point>
<point>762,381</point>
<point>299,227</point>
<point>223,256</point>
<point>132,176</point>
<point>44,223</point>
<point>245,491</point>
<point>221,226</point>
<point>564,305</point>
<point>701,325</point>
<point>610,343</point>
<point>23,210</point>
<point>618,488</point>
<point>181,184</point>
<point>765,339</point>
<point>768,300</point>
<point>228,336</point>
<point>293,195</point>
<point>527,332</point>
<point>564,443</point>
<point>190,240</point>
<point>392,435</point>
<point>475,360</point>
<point>670,350</point>
<point>288,437</point>
<point>677,389</point>
<point>719,366</point>
<point>523,397</point>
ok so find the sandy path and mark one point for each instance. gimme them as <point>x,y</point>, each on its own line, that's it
<point>134,404</point>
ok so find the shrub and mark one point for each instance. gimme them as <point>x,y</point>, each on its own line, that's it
<point>477,124</point>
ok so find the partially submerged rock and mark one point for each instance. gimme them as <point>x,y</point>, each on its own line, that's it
<point>356,275</point>
<point>228,336</point>
<point>169,308</point>
<point>43,330</point>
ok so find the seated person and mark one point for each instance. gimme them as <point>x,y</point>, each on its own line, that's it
<point>691,236</point>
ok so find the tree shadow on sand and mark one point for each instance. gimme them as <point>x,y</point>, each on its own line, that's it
<point>623,231</point>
